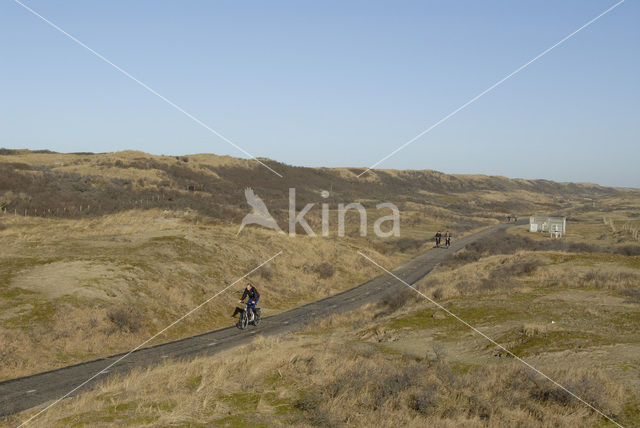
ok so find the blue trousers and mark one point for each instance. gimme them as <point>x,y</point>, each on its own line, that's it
<point>252,306</point>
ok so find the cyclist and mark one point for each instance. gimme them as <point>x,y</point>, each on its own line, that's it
<point>252,295</point>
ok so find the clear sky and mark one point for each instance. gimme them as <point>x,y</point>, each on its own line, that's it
<point>333,83</point>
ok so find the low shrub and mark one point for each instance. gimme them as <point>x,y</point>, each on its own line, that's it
<point>125,319</point>
<point>424,402</point>
<point>395,300</point>
<point>324,270</point>
<point>408,244</point>
<point>266,272</point>
<point>628,250</point>
<point>517,268</point>
<point>633,295</point>
<point>609,279</point>
<point>437,293</point>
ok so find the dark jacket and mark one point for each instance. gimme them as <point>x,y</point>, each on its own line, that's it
<point>252,294</point>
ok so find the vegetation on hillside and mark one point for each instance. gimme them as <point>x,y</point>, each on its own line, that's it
<point>72,185</point>
<point>568,312</point>
<point>100,251</point>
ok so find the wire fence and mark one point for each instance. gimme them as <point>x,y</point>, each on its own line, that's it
<point>627,228</point>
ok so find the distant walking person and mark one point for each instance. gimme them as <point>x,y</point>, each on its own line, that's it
<point>438,238</point>
<point>515,218</point>
<point>508,219</point>
<point>447,239</point>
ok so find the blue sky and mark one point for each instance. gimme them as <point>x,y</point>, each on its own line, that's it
<point>333,83</point>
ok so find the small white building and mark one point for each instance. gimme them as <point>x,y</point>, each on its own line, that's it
<point>556,226</point>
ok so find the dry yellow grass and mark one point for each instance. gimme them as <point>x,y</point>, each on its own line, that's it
<point>87,286</point>
<point>334,375</point>
<point>63,278</point>
<point>405,362</point>
<point>100,283</point>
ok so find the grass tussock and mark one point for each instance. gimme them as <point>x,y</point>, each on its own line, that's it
<point>324,270</point>
<point>125,319</point>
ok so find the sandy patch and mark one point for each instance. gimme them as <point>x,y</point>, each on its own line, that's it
<point>590,298</point>
<point>15,311</point>
<point>76,278</point>
<point>621,361</point>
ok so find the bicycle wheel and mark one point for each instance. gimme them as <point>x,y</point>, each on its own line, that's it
<point>244,320</point>
<point>256,319</point>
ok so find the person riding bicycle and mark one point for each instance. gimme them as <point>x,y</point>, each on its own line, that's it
<point>253,296</point>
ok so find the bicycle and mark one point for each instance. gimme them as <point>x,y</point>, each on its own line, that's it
<point>243,322</point>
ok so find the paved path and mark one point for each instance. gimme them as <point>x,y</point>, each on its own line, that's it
<point>23,393</point>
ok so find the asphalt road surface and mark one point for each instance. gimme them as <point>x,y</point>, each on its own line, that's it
<point>24,393</point>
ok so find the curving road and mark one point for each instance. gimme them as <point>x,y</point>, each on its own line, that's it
<point>23,393</point>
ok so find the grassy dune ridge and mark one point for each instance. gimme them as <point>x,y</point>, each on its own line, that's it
<point>60,184</point>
